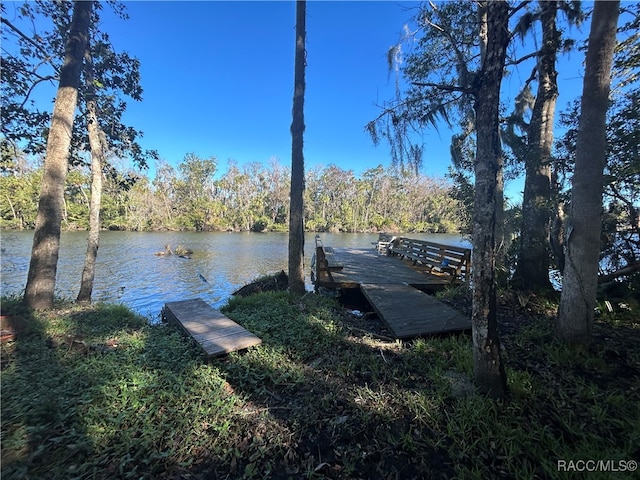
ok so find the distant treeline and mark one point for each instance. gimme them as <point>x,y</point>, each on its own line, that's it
<point>198,197</point>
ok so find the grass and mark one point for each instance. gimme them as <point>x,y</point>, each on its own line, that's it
<point>98,392</point>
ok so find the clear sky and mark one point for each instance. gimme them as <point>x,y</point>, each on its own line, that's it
<point>218,79</point>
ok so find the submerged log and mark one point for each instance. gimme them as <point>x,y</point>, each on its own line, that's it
<point>276,282</point>
<point>183,251</point>
<point>167,251</point>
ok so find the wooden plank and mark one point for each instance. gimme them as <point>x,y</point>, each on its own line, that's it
<point>214,332</point>
<point>411,313</point>
<point>367,266</point>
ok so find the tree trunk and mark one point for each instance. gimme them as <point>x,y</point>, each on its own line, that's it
<point>532,271</point>
<point>489,372</point>
<point>296,209</point>
<point>97,155</point>
<point>582,242</point>
<point>39,291</point>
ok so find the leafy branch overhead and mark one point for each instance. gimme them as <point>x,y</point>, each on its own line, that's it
<point>33,57</point>
<point>440,71</point>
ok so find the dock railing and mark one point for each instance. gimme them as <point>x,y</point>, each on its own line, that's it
<point>442,260</point>
<point>325,260</point>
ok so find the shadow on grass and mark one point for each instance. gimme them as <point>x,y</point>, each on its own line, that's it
<point>39,398</point>
<point>331,404</point>
<point>100,393</point>
<point>82,390</point>
<point>327,404</point>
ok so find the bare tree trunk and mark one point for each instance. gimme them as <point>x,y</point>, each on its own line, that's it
<point>296,219</point>
<point>489,371</point>
<point>97,156</point>
<point>556,231</point>
<point>39,291</point>
<point>582,237</point>
<point>532,271</point>
<point>13,210</point>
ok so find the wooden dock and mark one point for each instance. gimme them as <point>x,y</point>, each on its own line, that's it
<point>409,313</point>
<point>214,332</point>
<point>395,288</point>
<point>367,266</point>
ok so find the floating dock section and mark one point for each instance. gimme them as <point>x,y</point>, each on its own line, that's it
<point>410,313</point>
<point>214,332</point>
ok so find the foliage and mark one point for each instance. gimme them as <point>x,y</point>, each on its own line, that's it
<point>440,71</point>
<point>194,188</point>
<point>33,51</point>
<point>19,199</point>
<point>99,392</point>
<point>197,196</point>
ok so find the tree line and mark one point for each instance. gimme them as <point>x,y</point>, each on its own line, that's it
<point>458,55</point>
<point>199,196</point>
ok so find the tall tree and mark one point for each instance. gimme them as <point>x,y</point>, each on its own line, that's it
<point>488,369</point>
<point>38,58</point>
<point>117,75</point>
<point>620,239</point>
<point>296,209</point>
<point>532,271</point>
<point>582,240</point>
<point>457,69</point>
<point>39,291</point>
<point>97,142</point>
<point>194,190</point>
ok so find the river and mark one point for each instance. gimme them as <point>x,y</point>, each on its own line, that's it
<point>128,272</point>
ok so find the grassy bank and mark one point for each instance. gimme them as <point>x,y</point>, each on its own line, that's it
<point>99,393</point>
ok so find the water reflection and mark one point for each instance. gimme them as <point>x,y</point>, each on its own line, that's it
<point>127,270</point>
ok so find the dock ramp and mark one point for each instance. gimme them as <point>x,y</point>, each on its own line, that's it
<point>214,332</point>
<point>410,313</point>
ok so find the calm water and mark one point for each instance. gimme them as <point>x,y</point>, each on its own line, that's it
<point>128,272</point>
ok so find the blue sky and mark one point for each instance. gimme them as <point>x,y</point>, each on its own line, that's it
<point>218,80</point>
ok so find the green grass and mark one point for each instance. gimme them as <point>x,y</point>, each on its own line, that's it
<point>98,392</point>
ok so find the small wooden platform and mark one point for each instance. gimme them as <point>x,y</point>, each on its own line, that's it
<point>215,333</point>
<point>409,313</point>
<point>367,266</point>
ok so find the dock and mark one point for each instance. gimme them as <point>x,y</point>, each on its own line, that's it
<point>358,266</point>
<point>410,313</point>
<point>397,289</point>
<point>214,332</point>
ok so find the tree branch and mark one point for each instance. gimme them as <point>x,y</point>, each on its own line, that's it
<point>33,85</point>
<point>440,86</point>
<point>633,213</point>
<point>25,37</point>
<point>532,77</point>
<point>387,110</point>
<point>624,271</point>
<point>518,7</point>
<point>522,59</point>
<point>462,64</point>
<point>18,66</point>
